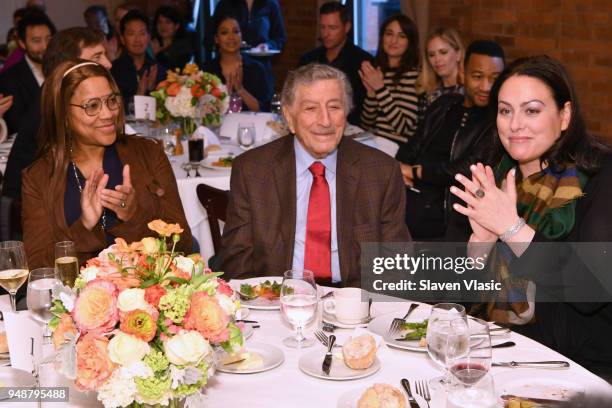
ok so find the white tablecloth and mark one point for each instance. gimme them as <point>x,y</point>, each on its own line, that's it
<point>287,386</point>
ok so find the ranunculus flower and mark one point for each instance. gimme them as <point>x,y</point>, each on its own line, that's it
<point>150,245</point>
<point>153,294</point>
<point>125,349</point>
<point>96,307</point>
<point>173,89</point>
<point>131,299</point>
<point>66,325</point>
<point>164,229</point>
<point>140,324</point>
<point>187,347</point>
<point>207,317</point>
<point>94,366</point>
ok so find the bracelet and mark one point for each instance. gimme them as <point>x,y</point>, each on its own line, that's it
<point>414,172</point>
<point>512,230</point>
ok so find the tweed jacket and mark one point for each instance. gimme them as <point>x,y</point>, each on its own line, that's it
<point>259,234</point>
<point>43,218</point>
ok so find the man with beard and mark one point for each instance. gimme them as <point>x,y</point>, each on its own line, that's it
<point>308,200</point>
<point>24,79</point>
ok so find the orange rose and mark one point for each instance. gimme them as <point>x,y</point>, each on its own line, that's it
<point>162,84</point>
<point>164,229</point>
<point>207,317</point>
<point>96,307</point>
<point>94,366</point>
<point>197,91</point>
<point>66,325</point>
<point>153,294</point>
<point>216,92</point>
<point>173,89</point>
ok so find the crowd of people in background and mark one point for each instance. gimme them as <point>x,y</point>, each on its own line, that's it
<point>479,141</point>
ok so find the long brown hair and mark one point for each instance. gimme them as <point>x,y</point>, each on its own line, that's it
<point>410,59</point>
<point>55,133</point>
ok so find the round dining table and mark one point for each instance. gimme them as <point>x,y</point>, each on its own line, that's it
<point>287,386</point>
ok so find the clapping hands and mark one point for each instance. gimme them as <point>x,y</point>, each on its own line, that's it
<point>372,78</point>
<point>5,103</point>
<point>147,81</point>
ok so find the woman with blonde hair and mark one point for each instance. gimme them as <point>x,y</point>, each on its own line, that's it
<point>442,71</point>
<point>91,182</point>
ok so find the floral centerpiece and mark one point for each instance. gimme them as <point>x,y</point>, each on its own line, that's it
<point>141,322</point>
<point>190,96</point>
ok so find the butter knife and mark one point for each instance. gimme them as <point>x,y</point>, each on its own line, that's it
<point>533,364</point>
<point>327,362</point>
<point>411,400</point>
<point>545,401</point>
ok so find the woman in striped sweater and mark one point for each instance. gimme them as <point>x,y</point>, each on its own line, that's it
<point>390,108</point>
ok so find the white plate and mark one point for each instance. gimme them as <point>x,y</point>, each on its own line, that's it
<point>332,319</point>
<point>207,164</point>
<point>243,312</point>
<point>380,325</point>
<point>539,384</point>
<point>258,303</point>
<point>272,358</point>
<point>310,363</point>
<point>267,53</point>
<point>350,398</point>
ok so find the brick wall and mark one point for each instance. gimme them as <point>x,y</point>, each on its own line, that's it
<point>578,32</point>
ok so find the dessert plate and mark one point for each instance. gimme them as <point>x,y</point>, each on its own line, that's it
<point>311,363</point>
<point>271,357</point>
<point>258,303</point>
<point>380,325</point>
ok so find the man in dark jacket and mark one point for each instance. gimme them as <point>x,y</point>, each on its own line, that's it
<point>455,132</point>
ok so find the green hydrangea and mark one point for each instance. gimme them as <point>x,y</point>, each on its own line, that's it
<point>235,341</point>
<point>152,388</point>
<point>79,283</point>
<point>187,389</point>
<point>175,304</point>
<point>157,361</point>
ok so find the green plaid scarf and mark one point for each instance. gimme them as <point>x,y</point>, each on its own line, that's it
<point>547,201</point>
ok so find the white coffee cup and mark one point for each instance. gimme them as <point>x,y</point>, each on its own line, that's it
<point>349,305</point>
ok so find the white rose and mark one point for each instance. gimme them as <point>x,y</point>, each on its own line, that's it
<point>126,350</point>
<point>226,303</point>
<point>132,299</point>
<point>90,273</point>
<point>185,264</point>
<point>186,347</point>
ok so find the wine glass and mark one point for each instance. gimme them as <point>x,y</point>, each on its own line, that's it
<point>471,367</point>
<point>298,302</point>
<point>66,262</point>
<point>13,268</point>
<point>40,286</point>
<point>246,135</point>
<point>478,395</point>
<point>447,338</point>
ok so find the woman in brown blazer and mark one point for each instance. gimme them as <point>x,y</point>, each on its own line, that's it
<point>91,183</point>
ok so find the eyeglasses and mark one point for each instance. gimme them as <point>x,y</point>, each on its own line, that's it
<point>94,105</point>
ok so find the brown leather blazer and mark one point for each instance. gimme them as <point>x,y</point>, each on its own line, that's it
<point>259,234</point>
<point>43,218</point>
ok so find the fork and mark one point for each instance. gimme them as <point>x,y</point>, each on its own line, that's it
<point>396,323</point>
<point>328,327</point>
<point>423,390</point>
<point>322,337</point>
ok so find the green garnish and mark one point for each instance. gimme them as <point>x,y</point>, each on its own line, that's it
<point>416,331</point>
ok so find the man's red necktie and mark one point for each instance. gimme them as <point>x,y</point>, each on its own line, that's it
<point>317,252</point>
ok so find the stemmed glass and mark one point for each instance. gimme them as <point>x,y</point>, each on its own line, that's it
<point>298,302</point>
<point>66,262</point>
<point>447,338</point>
<point>13,268</point>
<point>40,287</point>
<point>246,135</point>
<point>471,367</point>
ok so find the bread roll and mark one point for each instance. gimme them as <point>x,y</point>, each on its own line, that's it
<point>3,343</point>
<point>359,352</point>
<point>382,396</point>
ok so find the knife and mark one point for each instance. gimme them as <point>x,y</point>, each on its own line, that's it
<point>545,401</point>
<point>327,362</point>
<point>411,400</point>
<point>533,364</point>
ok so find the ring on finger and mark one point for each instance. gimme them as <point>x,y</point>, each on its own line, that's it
<point>122,204</point>
<point>479,193</point>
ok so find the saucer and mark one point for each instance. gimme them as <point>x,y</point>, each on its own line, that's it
<point>327,318</point>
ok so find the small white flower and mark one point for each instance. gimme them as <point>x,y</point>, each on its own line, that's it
<point>136,369</point>
<point>183,263</point>
<point>118,391</point>
<point>90,273</point>
<point>132,299</point>
<point>67,300</point>
<point>226,303</point>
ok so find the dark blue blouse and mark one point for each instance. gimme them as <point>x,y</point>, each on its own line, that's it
<point>111,163</point>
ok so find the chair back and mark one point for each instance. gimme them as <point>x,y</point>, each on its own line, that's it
<point>214,202</point>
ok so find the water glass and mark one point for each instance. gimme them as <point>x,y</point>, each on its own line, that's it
<point>471,367</point>
<point>478,395</point>
<point>167,136</point>
<point>235,103</point>
<point>447,338</point>
<point>13,268</point>
<point>298,302</point>
<point>40,287</point>
<point>246,135</point>
<point>66,262</point>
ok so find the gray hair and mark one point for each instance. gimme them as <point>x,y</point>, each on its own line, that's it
<point>310,73</point>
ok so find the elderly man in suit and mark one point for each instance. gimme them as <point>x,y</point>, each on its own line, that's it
<point>308,200</point>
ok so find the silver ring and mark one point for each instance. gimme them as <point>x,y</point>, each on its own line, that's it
<point>479,193</point>
<point>122,205</point>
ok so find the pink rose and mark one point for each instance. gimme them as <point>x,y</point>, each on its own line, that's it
<point>224,288</point>
<point>206,316</point>
<point>94,366</point>
<point>96,307</point>
<point>153,294</point>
